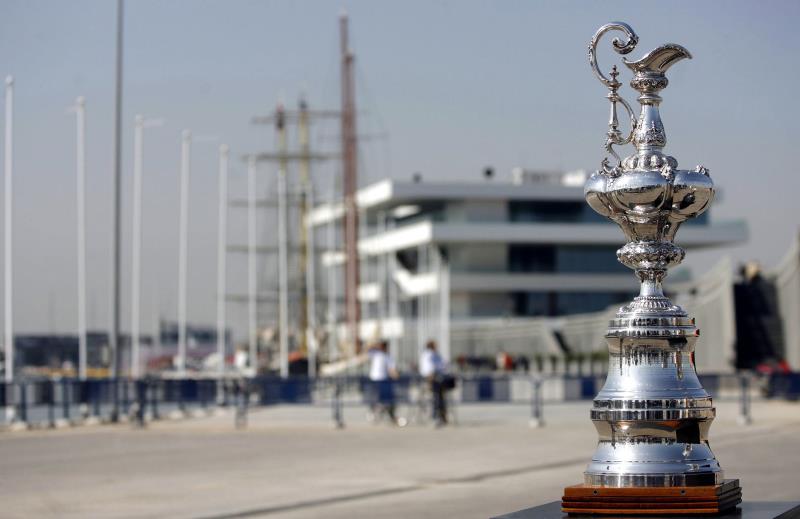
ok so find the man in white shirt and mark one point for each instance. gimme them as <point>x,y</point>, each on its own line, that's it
<point>432,367</point>
<point>381,364</point>
<point>382,371</point>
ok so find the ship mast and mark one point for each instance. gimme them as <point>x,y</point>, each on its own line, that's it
<point>350,174</point>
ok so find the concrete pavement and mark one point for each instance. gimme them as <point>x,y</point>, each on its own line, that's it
<point>291,463</point>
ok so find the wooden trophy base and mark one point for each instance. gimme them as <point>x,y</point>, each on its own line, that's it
<point>711,499</point>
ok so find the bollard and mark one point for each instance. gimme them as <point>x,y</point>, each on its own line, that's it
<point>83,398</point>
<point>220,392</point>
<point>154,398</point>
<point>10,406</point>
<point>65,400</point>
<point>23,404</point>
<point>338,420</point>
<point>181,403</point>
<point>745,417</point>
<point>537,420</point>
<point>241,397</point>
<point>125,409</point>
<point>202,386</point>
<point>141,399</point>
<point>49,388</point>
<point>95,395</point>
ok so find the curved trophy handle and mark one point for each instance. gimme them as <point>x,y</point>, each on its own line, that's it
<point>614,136</point>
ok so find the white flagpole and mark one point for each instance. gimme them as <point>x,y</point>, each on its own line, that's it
<point>222,240</point>
<point>80,116</point>
<point>8,165</point>
<point>136,283</point>
<point>186,143</point>
<point>251,265</point>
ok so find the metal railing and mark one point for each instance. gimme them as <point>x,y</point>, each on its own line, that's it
<point>63,401</point>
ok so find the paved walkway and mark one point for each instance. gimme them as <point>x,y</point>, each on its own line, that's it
<point>291,463</point>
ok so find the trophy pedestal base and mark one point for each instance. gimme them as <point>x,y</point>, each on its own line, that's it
<point>712,499</point>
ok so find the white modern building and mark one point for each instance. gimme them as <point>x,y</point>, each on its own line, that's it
<point>443,259</point>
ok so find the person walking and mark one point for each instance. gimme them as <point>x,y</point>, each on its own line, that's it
<point>382,373</point>
<point>432,368</point>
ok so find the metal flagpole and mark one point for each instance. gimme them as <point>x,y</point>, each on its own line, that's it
<point>252,287</point>
<point>80,116</point>
<point>8,165</point>
<point>186,143</point>
<point>222,231</point>
<point>137,244</point>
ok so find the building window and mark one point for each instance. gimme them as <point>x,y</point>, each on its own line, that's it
<point>534,304</point>
<point>541,304</point>
<point>588,302</point>
<point>546,211</point>
<point>597,259</point>
<point>531,258</point>
<point>585,259</point>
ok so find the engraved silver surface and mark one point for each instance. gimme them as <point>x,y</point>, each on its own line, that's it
<point>652,415</point>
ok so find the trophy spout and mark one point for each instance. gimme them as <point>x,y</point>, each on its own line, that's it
<point>658,60</point>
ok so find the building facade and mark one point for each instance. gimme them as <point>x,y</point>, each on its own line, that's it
<point>436,256</point>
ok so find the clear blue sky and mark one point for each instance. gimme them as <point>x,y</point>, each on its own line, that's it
<point>455,86</point>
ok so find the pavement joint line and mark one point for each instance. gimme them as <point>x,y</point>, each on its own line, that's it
<point>397,490</point>
<point>482,476</point>
<point>314,503</point>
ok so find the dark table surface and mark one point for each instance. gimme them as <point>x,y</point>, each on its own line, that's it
<point>746,510</point>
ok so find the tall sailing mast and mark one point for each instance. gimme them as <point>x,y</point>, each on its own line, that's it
<point>350,173</point>
<point>280,118</point>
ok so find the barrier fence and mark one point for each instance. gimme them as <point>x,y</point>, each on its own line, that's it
<point>58,402</point>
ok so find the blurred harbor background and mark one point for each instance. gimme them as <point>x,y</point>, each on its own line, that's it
<point>231,251</point>
<point>215,209</point>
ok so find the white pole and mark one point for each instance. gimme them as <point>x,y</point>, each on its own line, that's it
<point>283,303</point>
<point>380,275</point>
<point>136,283</point>
<point>222,240</point>
<point>444,307</point>
<point>156,316</point>
<point>8,165</point>
<point>186,143</point>
<point>80,112</point>
<point>421,268</point>
<point>333,347</point>
<point>311,296</point>
<point>252,310</point>
<point>394,308</point>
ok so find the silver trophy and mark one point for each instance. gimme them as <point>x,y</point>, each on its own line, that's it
<point>652,414</point>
